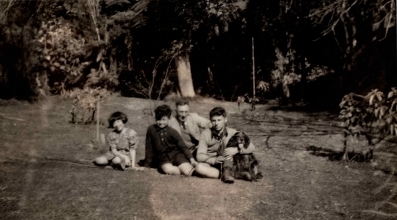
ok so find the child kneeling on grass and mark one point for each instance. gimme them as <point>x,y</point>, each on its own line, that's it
<point>165,146</point>
<point>122,143</point>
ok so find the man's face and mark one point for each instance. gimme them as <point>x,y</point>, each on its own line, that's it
<point>182,112</point>
<point>163,122</point>
<point>218,122</point>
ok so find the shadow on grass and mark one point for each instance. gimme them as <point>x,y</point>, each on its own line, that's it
<point>330,114</point>
<point>333,155</point>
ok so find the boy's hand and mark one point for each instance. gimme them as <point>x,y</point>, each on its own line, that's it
<point>230,151</point>
<point>193,162</point>
<point>220,159</point>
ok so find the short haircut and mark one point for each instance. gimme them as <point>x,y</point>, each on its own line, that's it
<point>161,111</point>
<point>181,102</point>
<point>117,116</point>
<point>218,111</point>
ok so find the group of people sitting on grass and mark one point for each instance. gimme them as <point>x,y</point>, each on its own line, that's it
<point>186,144</point>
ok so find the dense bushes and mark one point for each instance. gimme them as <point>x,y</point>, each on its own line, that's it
<point>52,47</point>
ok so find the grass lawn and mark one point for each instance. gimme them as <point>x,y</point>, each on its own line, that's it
<point>46,169</point>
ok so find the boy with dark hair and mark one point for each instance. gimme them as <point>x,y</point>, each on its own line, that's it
<point>165,146</point>
<point>213,141</point>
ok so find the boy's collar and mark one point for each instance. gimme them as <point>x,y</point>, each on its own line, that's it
<point>158,128</point>
<point>218,135</point>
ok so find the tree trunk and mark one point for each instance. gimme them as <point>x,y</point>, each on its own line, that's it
<point>184,76</point>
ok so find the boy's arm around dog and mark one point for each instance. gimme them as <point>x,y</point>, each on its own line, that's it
<point>203,153</point>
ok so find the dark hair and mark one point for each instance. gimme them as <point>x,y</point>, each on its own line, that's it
<point>218,111</point>
<point>181,102</point>
<point>117,116</point>
<point>161,111</point>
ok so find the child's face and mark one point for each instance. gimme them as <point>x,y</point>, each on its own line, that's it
<point>118,125</point>
<point>163,122</point>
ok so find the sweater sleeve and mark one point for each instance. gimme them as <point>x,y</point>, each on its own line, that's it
<point>149,154</point>
<point>250,149</point>
<point>202,148</point>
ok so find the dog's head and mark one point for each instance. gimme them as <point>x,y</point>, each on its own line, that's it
<point>241,139</point>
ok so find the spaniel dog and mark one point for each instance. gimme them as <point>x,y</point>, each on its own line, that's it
<point>245,166</point>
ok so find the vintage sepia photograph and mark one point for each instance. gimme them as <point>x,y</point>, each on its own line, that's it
<point>198,109</point>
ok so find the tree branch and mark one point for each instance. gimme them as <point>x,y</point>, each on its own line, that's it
<point>165,77</point>
<point>10,4</point>
<point>93,6</point>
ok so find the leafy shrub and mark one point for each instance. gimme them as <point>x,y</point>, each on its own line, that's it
<point>71,62</point>
<point>372,116</point>
<point>63,54</point>
<point>85,104</point>
<point>263,87</point>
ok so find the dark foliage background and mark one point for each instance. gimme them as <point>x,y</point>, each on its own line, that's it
<point>305,51</point>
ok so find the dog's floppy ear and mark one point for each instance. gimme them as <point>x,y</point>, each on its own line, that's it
<point>233,141</point>
<point>246,140</point>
